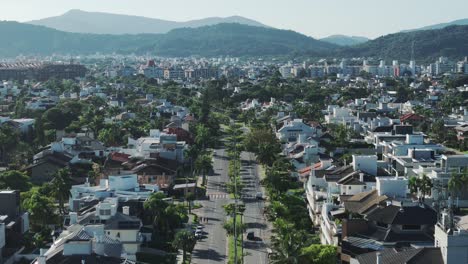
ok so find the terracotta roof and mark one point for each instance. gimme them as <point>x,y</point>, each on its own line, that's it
<point>120,157</point>
<point>411,117</point>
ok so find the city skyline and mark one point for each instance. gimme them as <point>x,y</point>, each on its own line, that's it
<point>308,17</point>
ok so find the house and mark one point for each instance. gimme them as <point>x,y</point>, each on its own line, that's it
<point>160,172</point>
<point>398,255</point>
<point>45,164</point>
<point>411,118</point>
<point>123,187</point>
<point>462,132</point>
<point>386,224</point>
<point>14,223</point>
<point>158,144</point>
<point>101,232</point>
<point>291,131</point>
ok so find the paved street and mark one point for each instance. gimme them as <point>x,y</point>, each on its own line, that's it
<point>256,251</point>
<point>212,248</point>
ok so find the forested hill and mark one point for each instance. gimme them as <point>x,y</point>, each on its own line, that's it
<point>230,39</point>
<point>428,44</point>
<point>221,39</point>
<point>237,40</point>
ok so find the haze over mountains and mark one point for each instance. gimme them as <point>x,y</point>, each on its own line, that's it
<point>243,38</point>
<point>343,40</point>
<point>459,22</point>
<point>78,21</point>
<point>220,39</point>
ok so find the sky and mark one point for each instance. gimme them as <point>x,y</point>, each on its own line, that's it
<point>315,18</point>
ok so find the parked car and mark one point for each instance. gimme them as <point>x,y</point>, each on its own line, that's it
<point>259,196</point>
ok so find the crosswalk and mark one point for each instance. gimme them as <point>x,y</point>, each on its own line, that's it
<point>215,196</point>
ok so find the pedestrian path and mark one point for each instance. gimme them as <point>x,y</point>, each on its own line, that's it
<point>215,196</point>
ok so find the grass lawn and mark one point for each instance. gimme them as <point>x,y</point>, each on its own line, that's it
<point>231,249</point>
<point>231,246</point>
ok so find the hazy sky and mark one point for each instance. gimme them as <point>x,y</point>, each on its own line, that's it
<point>316,18</point>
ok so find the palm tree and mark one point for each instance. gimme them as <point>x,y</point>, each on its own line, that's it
<point>157,206</point>
<point>185,241</point>
<point>266,153</point>
<point>203,164</point>
<point>458,182</point>
<point>425,185</point>
<point>287,246</point>
<point>61,185</point>
<point>413,184</point>
<point>190,198</point>
<point>202,136</point>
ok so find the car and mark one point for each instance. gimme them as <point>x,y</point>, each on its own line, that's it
<point>200,227</point>
<point>259,196</point>
<point>251,236</point>
<point>198,234</point>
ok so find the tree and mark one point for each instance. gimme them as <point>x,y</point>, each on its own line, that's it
<point>413,184</point>
<point>190,198</point>
<point>156,206</point>
<point>278,177</point>
<point>41,208</point>
<point>229,226</point>
<point>202,136</point>
<point>203,164</point>
<point>458,182</point>
<point>425,185</point>
<point>267,153</point>
<point>287,245</point>
<point>166,217</point>
<point>60,187</point>
<point>318,254</point>
<point>185,241</point>
<point>8,141</point>
<point>15,180</point>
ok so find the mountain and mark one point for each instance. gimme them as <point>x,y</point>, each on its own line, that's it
<point>460,22</point>
<point>78,21</point>
<point>428,45</point>
<point>220,39</point>
<point>236,40</point>
<point>342,40</point>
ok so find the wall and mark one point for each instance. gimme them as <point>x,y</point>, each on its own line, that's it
<point>367,164</point>
<point>454,247</point>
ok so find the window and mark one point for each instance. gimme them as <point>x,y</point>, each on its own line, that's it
<point>105,212</point>
<point>349,188</point>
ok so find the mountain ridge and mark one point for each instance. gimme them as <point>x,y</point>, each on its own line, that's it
<point>458,22</point>
<point>220,39</point>
<point>79,21</point>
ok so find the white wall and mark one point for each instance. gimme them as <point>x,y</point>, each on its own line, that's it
<point>367,164</point>
<point>454,248</point>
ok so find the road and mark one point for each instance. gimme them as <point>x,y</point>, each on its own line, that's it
<point>254,251</point>
<point>212,248</point>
